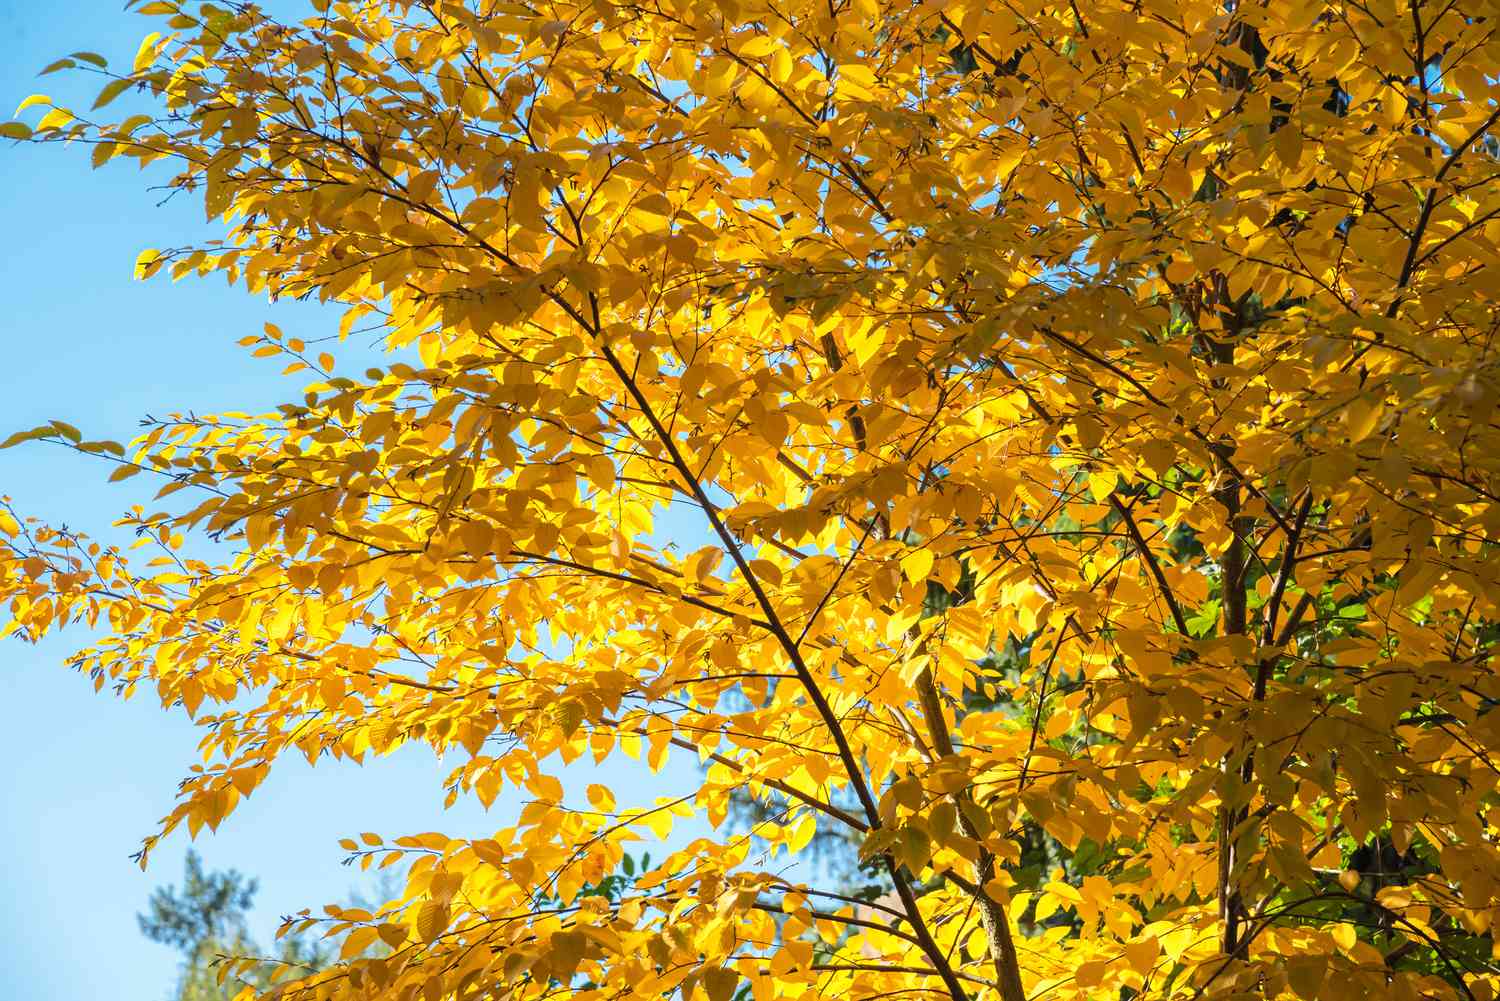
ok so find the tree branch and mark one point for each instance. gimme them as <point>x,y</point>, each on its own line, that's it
<point>1150,558</point>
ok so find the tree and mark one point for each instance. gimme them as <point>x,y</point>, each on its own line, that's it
<point>205,921</point>
<point>210,907</point>
<point>1077,423</point>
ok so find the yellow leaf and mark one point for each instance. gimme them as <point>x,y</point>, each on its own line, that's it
<point>1090,431</point>
<point>567,948</point>
<point>54,119</point>
<point>110,91</point>
<point>432,920</point>
<point>917,565</point>
<point>856,81</point>
<point>1141,955</point>
<point>719,982</point>
<point>766,571</point>
<point>1181,270</point>
<point>1058,724</point>
<point>478,538</point>
<point>654,204</point>
<point>684,62</point>
<point>1394,897</point>
<point>569,714</point>
<point>1288,143</point>
<point>392,935</point>
<point>1102,484</point>
<point>913,848</point>
<point>146,54</point>
<point>758,47</point>
<point>546,788</point>
<point>1306,973</point>
<point>866,342</point>
<point>1090,974</point>
<point>1362,416</point>
<point>148,263</point>
<point>781,65</point>
<point>660,823</point>
<point>357,941</point>
<point>32,100</point>
<point>601,798</point>
<point>802,833</point>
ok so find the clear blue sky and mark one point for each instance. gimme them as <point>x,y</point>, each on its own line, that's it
<point>82,776</point>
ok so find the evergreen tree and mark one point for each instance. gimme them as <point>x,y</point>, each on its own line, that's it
<point>204,919</point>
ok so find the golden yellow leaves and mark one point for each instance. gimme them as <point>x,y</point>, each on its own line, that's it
<point>904,348</point>
<point>1362,415</point>
<point>856,82</point>
<point>32,100</point>
<point>917,565</point>
<point>601,798</point>
<point>802,833</point>
<point>719,983</point>
<point>432,920</point>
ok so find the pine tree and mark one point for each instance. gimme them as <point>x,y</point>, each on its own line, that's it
<point>205,920</point>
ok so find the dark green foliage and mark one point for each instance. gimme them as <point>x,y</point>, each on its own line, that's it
<point>210,905</point>
<point>205,919</point>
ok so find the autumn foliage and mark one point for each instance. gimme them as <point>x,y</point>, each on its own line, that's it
<point>982,428</point>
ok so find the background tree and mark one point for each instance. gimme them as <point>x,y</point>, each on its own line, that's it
<point>210,907</point>
<point>1077,424</point>
<point>205,921</point>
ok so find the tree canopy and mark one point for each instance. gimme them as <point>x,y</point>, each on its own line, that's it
<point>981,427</point>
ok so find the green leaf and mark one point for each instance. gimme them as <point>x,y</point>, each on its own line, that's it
<point>1203,623</point>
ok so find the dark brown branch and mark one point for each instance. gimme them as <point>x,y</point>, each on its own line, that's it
<point>1156,572</point>
<point>789,646</point>
<point>992,916</point>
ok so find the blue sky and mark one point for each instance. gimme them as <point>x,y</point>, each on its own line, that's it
<point>82,776</point>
